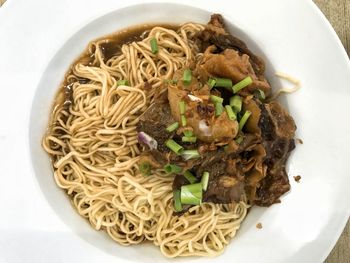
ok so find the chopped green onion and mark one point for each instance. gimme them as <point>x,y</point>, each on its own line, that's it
<point>154,45</point>
<point>231,115</point>
<point>190,177</point>
<point>244,119</point>
<point>145,168</point>
<point>171,81</point>
<point>183,120</point>
<point>242,84</point>
<point>187,77</point>
<point>218,109</point>
<point>189,139</point>
<point>205,180</point>
<point>174,146</point>
<point>190,154</point>
<point>188,133</point>
<point>187,198</point>
<point>225,83</point>
<point>123,82</point>
<point>191,194</point>
<point>211,83</point>
<point>172,169</point>
<point>260,94</point>
<point>182,107</point>
<point>214,99</point>
<point>236,103</point>
<point>172,127</point>
<point>177,201</point>
<point>239,139</point>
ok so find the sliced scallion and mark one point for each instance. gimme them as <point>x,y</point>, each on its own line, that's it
<point>205,180</point>
<point>171,81</point>
<point>187,77</point>
<point>260,94</point>
<point>182,107</point>
<point>172,169</point>
<point>145,168</point>
<point>224,83</point>
<point>239,139</point>
<point>190,177</point>
<point>172,127</point>
<point>242,84</point>
<point>191,194</point>
<point>183,120</point>
<point>244,119</point>
<point>154,45</point>
<point>236,103</point>
<point>231,115</point>
<point>211,83</point>
<point>177,201</point>
<point>218,109</point>
<point>123,82</point>
<point>190,154</point>
<point>174,146</point>
<point>189,139</point>
<point>214,99</point>
<point>188,133</point>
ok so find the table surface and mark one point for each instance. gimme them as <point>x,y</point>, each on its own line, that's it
<point>338,14</point>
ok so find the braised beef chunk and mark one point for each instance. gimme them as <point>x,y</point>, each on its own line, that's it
<point>277,130</point>
<point>155,121</point>
<point>224,184</point>
<point>216,34</point>
<point>229,57</point>
<point>245,162</point>
<point>273,187</point>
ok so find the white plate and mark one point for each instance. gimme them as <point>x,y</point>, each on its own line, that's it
<point>39,39</point>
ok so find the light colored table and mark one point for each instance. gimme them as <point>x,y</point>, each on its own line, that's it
<point>338,13</point>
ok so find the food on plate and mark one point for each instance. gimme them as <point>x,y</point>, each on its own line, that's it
<point>169,134</point>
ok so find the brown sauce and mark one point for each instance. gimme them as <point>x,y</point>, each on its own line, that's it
<point>111,45</point>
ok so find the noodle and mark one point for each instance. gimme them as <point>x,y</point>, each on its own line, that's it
<point>290,79</point>
<point>94,148</point>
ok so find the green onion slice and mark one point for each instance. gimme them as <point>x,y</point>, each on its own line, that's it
<point>154,45</point>
<point>205,180</point>
<point>189,139</point>
<point>190,154</point>
<point>225,83</point>
<point>182,107</point>
<point>242,84</point>
<point>174,146</point>
<point>172,169</point>
<point>236,103</point>
<point>191,194</point>
<point>260,94</point>
<point>188,133</point>
<point>218,109</point>
<point>123,82</point>
<point>145,168</point>
<point>244,119</point>
<point>214,99</point>
<point>172,127</point>
<point>183,120</point>
<point>239,139</point>
<point>231,115</point>
<point>187,77</point>
<point>211,83</point>
<point>190,177</point>
<point>177,201</point>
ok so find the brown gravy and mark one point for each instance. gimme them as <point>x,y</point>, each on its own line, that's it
<point>111,45</point>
